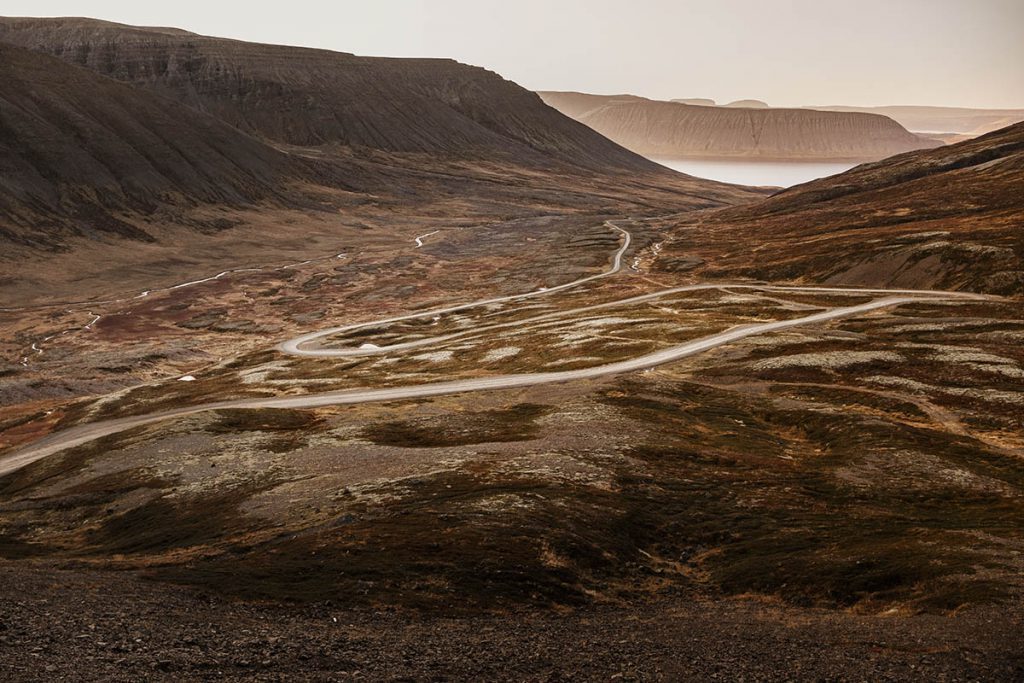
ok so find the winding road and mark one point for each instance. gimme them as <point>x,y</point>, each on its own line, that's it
<point>298,345</point>
<point>85,433</point>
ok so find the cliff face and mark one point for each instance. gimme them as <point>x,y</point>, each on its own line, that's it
<point>670,129</point>
<point>303,96</point>
<point>579,105</point>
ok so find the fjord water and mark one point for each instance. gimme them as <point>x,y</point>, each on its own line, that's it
<point>746,172</point>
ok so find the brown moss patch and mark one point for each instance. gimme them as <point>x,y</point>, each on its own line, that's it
<point>517,423</point>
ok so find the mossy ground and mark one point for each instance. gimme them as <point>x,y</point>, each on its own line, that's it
<point>815,484</point>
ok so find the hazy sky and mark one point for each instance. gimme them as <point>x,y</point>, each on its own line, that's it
<point>787,52</point>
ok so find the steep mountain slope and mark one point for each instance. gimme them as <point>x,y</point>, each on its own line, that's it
<point>578,104</point>
<point>302,96</point>
<point>197,154</point>
<point>676,130</point>
<point>75,146</point>
<point>950,218</point>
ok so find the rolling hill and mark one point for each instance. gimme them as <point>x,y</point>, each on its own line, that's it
<point>947,218</point>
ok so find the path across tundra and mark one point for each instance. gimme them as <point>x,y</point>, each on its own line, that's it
<point>81,434</point>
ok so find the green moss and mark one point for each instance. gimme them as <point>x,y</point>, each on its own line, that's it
<point>792,528</point>
<point>13,548</point>
<point>720,493</point>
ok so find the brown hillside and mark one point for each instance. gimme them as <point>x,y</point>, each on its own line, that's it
<point>950,218</point>
<point>302,96</point>
<point>75,147</point>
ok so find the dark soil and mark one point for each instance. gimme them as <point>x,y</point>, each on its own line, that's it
<point>107,626</point>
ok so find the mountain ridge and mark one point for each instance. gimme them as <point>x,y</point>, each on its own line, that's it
<point>307,96</point>
<point>963,120</point>
<point>115,177</point>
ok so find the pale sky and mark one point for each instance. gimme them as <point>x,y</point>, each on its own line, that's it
<point>786,52</point>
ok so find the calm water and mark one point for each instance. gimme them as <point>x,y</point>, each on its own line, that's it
<point>779,173</point>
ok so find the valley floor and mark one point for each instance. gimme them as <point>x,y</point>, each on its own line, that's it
<point>842,499</point>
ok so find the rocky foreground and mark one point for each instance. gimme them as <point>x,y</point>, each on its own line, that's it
<point>82,625</point>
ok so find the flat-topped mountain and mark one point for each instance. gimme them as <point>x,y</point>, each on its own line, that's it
<point>302,96</point>
<point>929,120</point>
<point>112,136</point>
<point>748,104</point>
<point>947,218</point>
<point>941,119</point>
<point>676,130</point>
<point>701,101</point>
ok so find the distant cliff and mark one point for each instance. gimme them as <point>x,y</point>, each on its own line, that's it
<point>676,130</point>
<point>942,119</point>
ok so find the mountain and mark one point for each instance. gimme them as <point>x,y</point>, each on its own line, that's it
<point>674,130</point>
<point>75,147</point>
<point>701,101</point>
<point>947,218</point>
<point>579,105</point>
<point>747,104</point>
<point>942,119</point>
<point>213,152</point>
<point>309,97</point>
